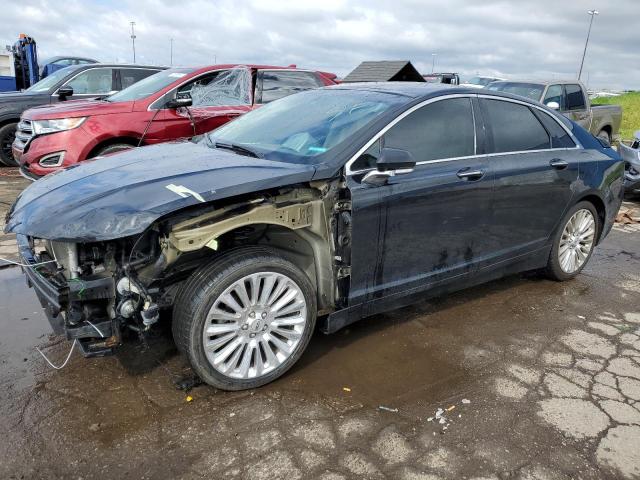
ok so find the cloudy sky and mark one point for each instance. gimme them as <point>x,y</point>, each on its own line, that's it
<point>517,38</point>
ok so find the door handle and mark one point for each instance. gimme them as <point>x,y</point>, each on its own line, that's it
<point>468,174</point>
<point>559,164</point>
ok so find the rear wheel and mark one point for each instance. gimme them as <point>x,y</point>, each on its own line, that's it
<point>7,136</point>
<point>244,319</point>
<point>574,242</point>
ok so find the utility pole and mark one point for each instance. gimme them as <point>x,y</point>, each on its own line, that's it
<point>433,62</point>
<point>592,13</point>
<point>171,62</point>
<point>133,40</point>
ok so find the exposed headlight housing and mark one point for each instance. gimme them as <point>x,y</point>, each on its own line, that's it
<point>41,127</point>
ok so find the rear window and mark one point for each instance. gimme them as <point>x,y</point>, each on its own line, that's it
<point>559,136</point>
<point>129,76</point>
<point>515,128</point>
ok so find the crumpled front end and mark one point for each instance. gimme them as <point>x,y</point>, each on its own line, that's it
<point>86,292</point>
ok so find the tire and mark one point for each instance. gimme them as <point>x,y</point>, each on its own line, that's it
<point>568,255</point>
<point>115,148</point>
<point>604,135</point>
<point>236,357</point>
<point>7,135</point>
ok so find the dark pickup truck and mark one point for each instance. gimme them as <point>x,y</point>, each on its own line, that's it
<point>74,82</point>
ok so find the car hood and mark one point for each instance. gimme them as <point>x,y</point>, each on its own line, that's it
<point>123,194</point>
<point>9,97</point>
<point>77,108</point>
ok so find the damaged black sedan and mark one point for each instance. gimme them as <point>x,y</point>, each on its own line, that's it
<point>329,205</point>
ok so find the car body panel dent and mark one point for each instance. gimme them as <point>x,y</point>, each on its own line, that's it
<point>122,195</point>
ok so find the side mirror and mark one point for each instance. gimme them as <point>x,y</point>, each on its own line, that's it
<point>553,105</point>
<point>400,161</point>
<point>392,161</point>
<point>179,103</point>
<point>64,92</point>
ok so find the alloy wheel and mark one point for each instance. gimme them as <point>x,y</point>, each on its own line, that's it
<point>577,241</point>
<point>255,325</point>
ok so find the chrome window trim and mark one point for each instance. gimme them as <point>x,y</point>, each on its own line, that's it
<point>377,136</point>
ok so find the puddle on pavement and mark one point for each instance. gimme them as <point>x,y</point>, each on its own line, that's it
<point>23,325</point>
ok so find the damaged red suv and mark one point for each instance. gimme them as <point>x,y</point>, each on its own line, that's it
<point>173,104</point>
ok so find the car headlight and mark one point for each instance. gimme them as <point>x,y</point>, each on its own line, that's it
<point>40,127</point>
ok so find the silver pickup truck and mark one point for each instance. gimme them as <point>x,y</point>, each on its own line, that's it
<point>571,99</point>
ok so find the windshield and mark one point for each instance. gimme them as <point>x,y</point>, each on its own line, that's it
<point>300,127</point>
<point>47,83</point>
<point>529,90</point>
<point>149,85</point>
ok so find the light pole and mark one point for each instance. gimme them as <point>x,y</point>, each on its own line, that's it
<point>133,41</point>
<point>433,62</point>
<point>171,62</point>
<point>592,13</point>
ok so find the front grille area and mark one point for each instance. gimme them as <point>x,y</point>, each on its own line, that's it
<point>24,134</point>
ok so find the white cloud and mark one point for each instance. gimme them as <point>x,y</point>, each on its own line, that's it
<point>526,38</point>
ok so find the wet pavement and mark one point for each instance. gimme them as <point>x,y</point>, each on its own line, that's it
<point>543,378</point>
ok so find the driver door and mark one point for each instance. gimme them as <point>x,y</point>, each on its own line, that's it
<point>428,226</point>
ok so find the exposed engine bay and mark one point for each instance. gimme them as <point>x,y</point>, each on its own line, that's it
<point>104,292</point>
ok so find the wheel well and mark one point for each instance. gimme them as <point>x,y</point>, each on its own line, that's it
<point>7,121</point>
<point>607,128</point>
<point>600,208</point>
<point>113,141</point>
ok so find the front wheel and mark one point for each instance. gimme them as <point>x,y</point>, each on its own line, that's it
<point>574,242</point>
<point>244,319</point>
<point>7,135</point>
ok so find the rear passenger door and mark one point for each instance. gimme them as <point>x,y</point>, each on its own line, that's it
<point>275,84</point>
<point>536,164</point>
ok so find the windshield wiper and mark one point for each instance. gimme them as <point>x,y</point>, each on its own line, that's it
<point>237,149</point>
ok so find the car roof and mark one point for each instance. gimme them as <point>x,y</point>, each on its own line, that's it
<point>419,91</point>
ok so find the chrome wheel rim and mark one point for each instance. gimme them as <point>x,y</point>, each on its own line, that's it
<point>576,241</point>
<point>255,325</point>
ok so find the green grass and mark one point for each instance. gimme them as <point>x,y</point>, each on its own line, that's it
<point>630,103</point>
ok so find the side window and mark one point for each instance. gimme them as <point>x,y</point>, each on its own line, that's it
<point>554,94</point>
<point>217,89</point>
<point>64,61</point>
<point>575,98</point>
<point>129,76</point>
<point>559,136</point>
<point>515,128</point>
<point>277,84</point>
<point>443,129</point>
<point>368,159</point>
<point>97,81</point>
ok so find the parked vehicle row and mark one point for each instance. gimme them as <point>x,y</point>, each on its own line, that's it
<point>571,99</point>
<point>324,207</point>
<point>81,81</point>
<point>176,103</point>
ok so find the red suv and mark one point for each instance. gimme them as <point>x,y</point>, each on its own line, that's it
<point>173,104</point>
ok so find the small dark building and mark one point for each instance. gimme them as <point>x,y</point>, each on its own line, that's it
<point>384,71</point>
